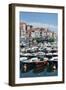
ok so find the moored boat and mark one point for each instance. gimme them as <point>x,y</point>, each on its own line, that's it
<point>39,65</point>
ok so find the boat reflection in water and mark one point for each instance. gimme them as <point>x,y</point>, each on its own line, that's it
<point>33,63</point>
<point>52,64</point>
<point>37,65</point>
<point>25,65</point>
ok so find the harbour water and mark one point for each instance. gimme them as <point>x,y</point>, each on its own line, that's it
<point>44,73</point>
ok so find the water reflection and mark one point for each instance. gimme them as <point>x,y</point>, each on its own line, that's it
<point>34,70</point>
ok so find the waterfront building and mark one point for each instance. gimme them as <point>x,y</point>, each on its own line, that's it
<point>28,31</point>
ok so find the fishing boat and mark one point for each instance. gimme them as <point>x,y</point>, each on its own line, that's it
<point>34,63</point>
<point>39,65</point>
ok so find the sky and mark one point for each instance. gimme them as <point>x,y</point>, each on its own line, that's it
<point>40,19</point>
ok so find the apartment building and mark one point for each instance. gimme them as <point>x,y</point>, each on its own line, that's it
<point>28,31</point>
<point>23,30</point>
